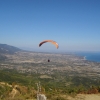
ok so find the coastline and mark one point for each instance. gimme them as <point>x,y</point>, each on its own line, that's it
<point>84,58</point>
<point>93,57</point>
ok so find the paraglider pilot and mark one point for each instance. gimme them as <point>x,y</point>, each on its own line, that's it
<point>48,60</point>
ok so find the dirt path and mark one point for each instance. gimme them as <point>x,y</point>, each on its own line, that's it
<point>86,97</point>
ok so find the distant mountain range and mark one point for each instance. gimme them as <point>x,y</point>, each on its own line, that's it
<point>8,49</point>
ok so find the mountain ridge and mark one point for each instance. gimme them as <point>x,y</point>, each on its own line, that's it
<point>8,49</point>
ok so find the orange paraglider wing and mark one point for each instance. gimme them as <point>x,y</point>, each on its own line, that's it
<point>51,41</point>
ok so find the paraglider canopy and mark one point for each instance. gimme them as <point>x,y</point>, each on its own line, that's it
<point>51,41</point>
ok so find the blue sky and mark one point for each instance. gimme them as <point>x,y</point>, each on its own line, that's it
<point>73,24</point>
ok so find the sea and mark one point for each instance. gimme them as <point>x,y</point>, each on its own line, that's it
<point>90,56</point>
